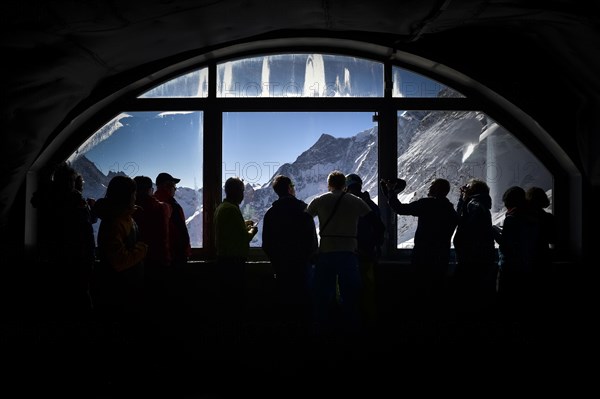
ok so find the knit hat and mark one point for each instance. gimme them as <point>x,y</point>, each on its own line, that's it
<point>353,179</point>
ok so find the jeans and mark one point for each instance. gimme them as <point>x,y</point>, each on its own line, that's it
<point>341,268</point>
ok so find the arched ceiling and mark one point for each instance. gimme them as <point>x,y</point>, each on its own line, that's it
<point>59,56</point>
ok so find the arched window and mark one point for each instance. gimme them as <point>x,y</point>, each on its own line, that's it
<point>304,114</point>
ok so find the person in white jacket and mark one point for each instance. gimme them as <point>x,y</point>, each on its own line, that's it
<point>338,213</point>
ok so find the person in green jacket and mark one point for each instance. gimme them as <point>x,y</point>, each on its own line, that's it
<point>232,240</point>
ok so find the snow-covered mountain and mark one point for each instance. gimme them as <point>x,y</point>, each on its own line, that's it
<point>309,171</point>
<point>455,145</point>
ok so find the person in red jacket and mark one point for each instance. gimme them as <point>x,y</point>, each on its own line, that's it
<point>179,238</point>
<point>152,218</point>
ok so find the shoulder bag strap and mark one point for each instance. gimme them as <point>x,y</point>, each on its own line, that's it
<point>335,207</point>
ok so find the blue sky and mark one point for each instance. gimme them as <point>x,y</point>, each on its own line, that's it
<point>254,144</point>
<point>149,143</point>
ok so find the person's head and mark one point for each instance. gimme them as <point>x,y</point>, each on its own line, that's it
<point>121,192</point>
<point>64,177</point>
<point>166,182</point>
<point>282,185</point>
<point>79,182</point>
<point>353,183</point>
<point>514,197</point>
<point>475,187</point>
<point>537,198</point>
<point>234,190</point>
<point>336,180</point>
<point>439,188</point>
<point>144,185</point>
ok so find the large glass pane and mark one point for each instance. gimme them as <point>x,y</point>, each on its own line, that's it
<point>300,75</point>
<point>193,84</point>
<point>304,146</point>
<point>458,146</point>
<point>411,84</point>
<point>147,143</point>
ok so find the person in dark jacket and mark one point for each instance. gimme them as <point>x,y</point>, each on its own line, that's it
<point>537,202</point>
<point>476,269</point>
<point>290,241</point>
<point>369,235</point>
<point>437,221</point>
<point>67,247</point>
<point>519,253</point>
<point>152,218</point>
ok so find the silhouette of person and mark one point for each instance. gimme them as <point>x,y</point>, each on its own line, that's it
<point>79,183</point>
<point>537,202</point>
<point>152,218</point>
<point>519,247</point>
<point>437,220</point>
<point>370,236</point>
<point>232,241</point>
<point>289,239</point>
<point>67,247</point>
<point>476,269</point>
<point>118,285</point>
<point>338,215</point>
<point>180,248</point>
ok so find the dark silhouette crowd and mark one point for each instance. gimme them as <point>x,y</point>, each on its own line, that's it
<point>325,273</point>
